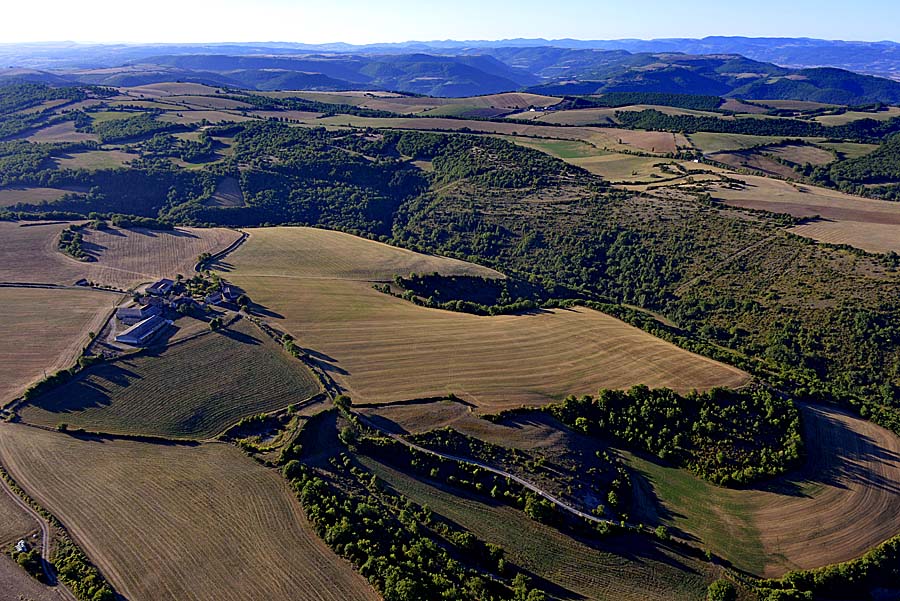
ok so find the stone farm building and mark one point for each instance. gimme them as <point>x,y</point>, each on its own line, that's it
<point>142,332</point>
<point>132,315</point>
<point>161,287</point>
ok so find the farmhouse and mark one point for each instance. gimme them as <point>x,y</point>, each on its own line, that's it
<point>140,333</point>
<point>132,315</point>
<point>215,298</point>
<point>230,293</point>
<point>161,288</point>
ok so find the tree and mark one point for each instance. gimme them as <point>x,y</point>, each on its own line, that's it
<point>721,590</point>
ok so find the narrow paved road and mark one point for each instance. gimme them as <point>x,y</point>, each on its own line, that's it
<point>45,541</point>
<point>525,483</point>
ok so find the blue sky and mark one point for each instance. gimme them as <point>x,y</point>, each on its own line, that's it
<point>365,21</point>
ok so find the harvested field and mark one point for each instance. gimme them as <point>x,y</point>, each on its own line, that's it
<point>738,106</point>
<point>183,390</point>
<point>380,348</point>
<point>602,137</point>
<point>44,331</point>
<point>873,237</point>
<point>864,223</point>
<point>14,522</point>
<point>298,115</point>
<point>60,132</point>
<point>13,196</point>
<point>211,102</point>
<point>850,150</point>
<point>844,501</point>
<point>794,105</point>
<point>603,115</point>
<point>212,523</point>
<point>710,143</point>
<point>191,117</point>
<point>124,258</point>
<point>17,585</point>
<point>754,160</point>
<point>801,155</point>
<point>850,116</point>
<point>619,568</point>
<point>157,90</point>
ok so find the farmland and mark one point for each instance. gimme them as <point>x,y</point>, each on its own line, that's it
<point>123,258</point>
<point>45,332</point>
<point>842,502</point>
<point>16,584</point>
<point>14,522</point>
<point>382,348</point>
<point>112,493</point>
<point>861,222</point>
<point>566,567</point>
<point>31,195</point>
<point>181,391</point>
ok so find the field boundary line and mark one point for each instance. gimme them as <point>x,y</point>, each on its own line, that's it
<point>198,266</point>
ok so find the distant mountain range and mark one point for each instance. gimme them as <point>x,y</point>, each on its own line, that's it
<point>759,68</point>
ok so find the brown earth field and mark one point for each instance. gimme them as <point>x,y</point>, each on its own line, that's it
<point>17,585</point>
<point>844,501</point>
<point>14,522</point>
<point>410,105</point>
<point>124,258</point>
<point>60,132</point>
<point>44,331</point>
<point>174,522</point>
<point>380,348</point>
<point>847,216</point>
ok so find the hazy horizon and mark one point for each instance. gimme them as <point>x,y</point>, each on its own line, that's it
<point>398,21</point>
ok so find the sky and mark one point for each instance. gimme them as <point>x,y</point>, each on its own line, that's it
<point>368,21</point>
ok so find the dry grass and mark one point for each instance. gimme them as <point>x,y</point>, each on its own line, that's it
<point>603,115</point>
<point>32,195</point>
<point>17,585</point>
<point>44,331</point>
<point>60,132</point>
<point>601,137</point>
<point>174,522</point>
<point>93,160</point>
<point>565,567</point>
<point>211,102</point>
<point>157,90</point>
<point>383,349</point>
<point>14,523</point>
<point>844,501</point>
<point>124,258</point>
<point>861,222</point>
<point>228,194</point>
<point>873,237</point>
<point>196,389</point>
<point>713,142</point>
<point>849,116</point>
<point>851,150</point>
<point>187,117</point>
<point>801,155</point>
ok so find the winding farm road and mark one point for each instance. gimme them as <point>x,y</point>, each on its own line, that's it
<point>525,483</point>
<point>45,541</point>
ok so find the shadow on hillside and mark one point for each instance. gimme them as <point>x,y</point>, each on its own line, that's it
<point>240,337</point>
<point>91,392</point>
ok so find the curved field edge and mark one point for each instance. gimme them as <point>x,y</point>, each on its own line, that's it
<point>382,349</point>
<point>192,389</point>
<point>844,501</point>
<point>187,506</point>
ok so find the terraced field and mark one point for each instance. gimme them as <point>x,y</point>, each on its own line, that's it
<point>44,331</point>
<point>844,501</point>
<point>565,567</point>
<point>202,523</point>
<point>317,286</point>
<point>195,389</point>
<point>123,258</point>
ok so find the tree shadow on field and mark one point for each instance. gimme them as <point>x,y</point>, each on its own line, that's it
<point>262,310</point>
<point>324,361</point>
<point>240,337</point>
<point>93,390</point>
<point>221,265</point>
<point>649,509</point>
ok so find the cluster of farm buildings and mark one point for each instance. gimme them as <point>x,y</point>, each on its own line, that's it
<point>147,317</point>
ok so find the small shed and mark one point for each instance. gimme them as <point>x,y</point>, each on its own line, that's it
<point>21,546</point>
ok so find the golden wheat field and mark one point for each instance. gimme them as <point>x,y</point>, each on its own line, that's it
<point>44,331</point>
<point>192,523</point>
<point>123,258</point>
<point>380,348</point>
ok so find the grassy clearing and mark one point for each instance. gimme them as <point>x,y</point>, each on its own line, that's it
<point>381,348</point>
<point>44,331</point>
<point>189,117</point>
<point>566,567</point>
<point>604,115</point>
<point>850,150</point>
<point>123,258</point>
<point>212,524</point>
<point>801,155</point>
<point>841,503</point>
<point>849,116</point>
<point>184,391</point>
<point>93,160</point>
<point>60,132</point>
<point>158,90</point>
